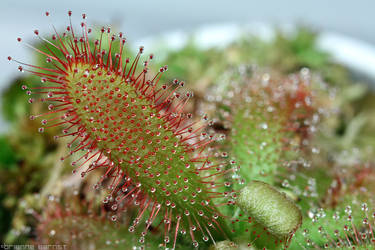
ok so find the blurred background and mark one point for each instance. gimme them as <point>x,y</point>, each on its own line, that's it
<point>139,19</point>
<point>335,39</point>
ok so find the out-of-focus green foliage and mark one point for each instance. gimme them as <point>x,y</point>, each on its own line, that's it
<point>14,102</point>
<point>7,155</point>
<point>286,53</point>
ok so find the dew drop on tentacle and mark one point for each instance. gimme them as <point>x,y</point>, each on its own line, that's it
<point>114,218</point>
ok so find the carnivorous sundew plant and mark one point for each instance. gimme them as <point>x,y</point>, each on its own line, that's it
<point>133,127</point>
<point>123,121</point>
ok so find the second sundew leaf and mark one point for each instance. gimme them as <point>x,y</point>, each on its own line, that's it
<point>255,144</point>
<point>133,127</point>
<point>270,118</point>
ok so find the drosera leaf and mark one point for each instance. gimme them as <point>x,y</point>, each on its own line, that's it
<point>133,127</point>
